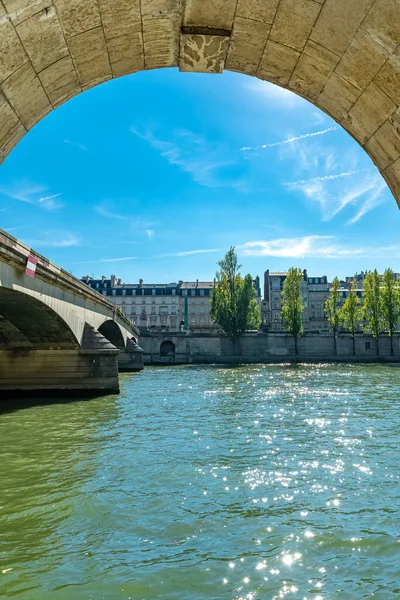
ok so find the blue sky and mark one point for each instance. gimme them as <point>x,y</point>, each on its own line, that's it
<point>156,174</point>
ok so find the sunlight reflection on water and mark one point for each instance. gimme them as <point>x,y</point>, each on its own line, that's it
<point>248,483</point>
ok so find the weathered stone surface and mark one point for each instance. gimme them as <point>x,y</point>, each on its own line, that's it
<point>78,16</point>
<point>43,38</point>
<point>89,53</point>
<point>160,8</point>
<point>11,128</point>
<point>161,41</point>
<point>388,78</point>
<point>312,71</point>
<point>19,10</point>
<point>126,54</point>
<point>392,178</point>
<point>278,63</point>
<point>384,145</point>
<point>12,53</point>
<point>383,22</point>
<point>338,96</point>
<point>26,95</point>
<point>247,45</point>
<point>369,112</point>
<point>60,81</point>
<point>293,22</point>
<point>203,53</point>
<point>362,60</point>
<point>338,23</point>
<point>258,10</point>
<point>120,17</point>
<point>218,12</point>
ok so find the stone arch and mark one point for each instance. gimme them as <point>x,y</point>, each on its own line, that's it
<point>112,332</point>
<point>167,350</point>
<point>26,322</point>
<point>338,54</point>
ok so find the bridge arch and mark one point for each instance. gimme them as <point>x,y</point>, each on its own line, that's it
<point>338,54</point>
<point>25,322</point>
<point>112,332</point>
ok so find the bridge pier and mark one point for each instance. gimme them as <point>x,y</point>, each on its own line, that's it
<point>130,360</point>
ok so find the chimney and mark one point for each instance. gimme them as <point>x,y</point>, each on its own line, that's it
<point>140,281</point>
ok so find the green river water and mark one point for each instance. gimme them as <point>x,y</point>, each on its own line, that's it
<point>255,482</point>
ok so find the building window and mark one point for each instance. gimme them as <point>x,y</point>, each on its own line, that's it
<point>368,345</point>
<point>124,292</point>
<point>173,292</point>
<point>114,292</point>
<point>153,292</point>
<point>201,292</point>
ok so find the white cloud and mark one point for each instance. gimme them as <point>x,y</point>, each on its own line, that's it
<point>150,233</point>
<point>189,253</point>
<point>54,239</point>
<point>192,154</point>
<point>314,246</point>
<point>75,145</point>
<point>105,211</point>
<point>292,139</point>
<point>31,193</point>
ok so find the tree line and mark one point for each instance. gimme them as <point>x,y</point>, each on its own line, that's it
<point>379,313</point>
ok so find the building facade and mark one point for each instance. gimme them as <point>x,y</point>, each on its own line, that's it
<point>314,291</point>
<point>182,306</point>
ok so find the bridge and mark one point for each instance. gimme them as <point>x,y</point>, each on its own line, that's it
<point>56,333</point>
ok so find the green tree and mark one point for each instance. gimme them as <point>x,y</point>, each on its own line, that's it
<point>372,307</point>
<point>390,296</point>
<point>332,311</point>
<point>233,304</point>
<point>350,313</point>
<point>292,304</point>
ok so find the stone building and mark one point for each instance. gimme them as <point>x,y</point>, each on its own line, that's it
<point>314,291</point>
<point>171,307</point>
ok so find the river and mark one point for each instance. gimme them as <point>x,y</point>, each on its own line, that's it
<point>256,482</point>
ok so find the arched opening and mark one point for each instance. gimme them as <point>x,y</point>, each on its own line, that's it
<point>348,67</point>
<point>167,351</point>
<point>111,331</point>
<point>25,322</point>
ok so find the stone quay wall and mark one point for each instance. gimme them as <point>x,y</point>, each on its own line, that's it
<point>266,348</point>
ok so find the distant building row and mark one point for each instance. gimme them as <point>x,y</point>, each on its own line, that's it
<point>163,307</point>
<point>186,305</point>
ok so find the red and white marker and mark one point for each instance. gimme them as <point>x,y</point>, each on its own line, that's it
<point>31,266</point>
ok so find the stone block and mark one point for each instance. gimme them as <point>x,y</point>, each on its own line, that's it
<point>126,54</point>
<point>26,95</point>
<point>161,41</point>
<point>362,60</point>
<point>338,96</point>
<point>160,8</point>
<point>217,14</point>
<point>89,52</point>
<point>11,128</point>
<point>388,78</point>
<point>370,111</point>
<point>120,17</point>
<point>383,22</point>
<point>258,10</point>
<point>392,177</point>
<point>312,71</point>
<point>78,16</point>
<point>338,22</point>
<point>43,38</point>
<point>20,10</point>
<point>60,81</point>
<point>293,22</point>
<point>384,145</point>
<point>12,53</point>
<point>278,63</point>
<point>247,45</point>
